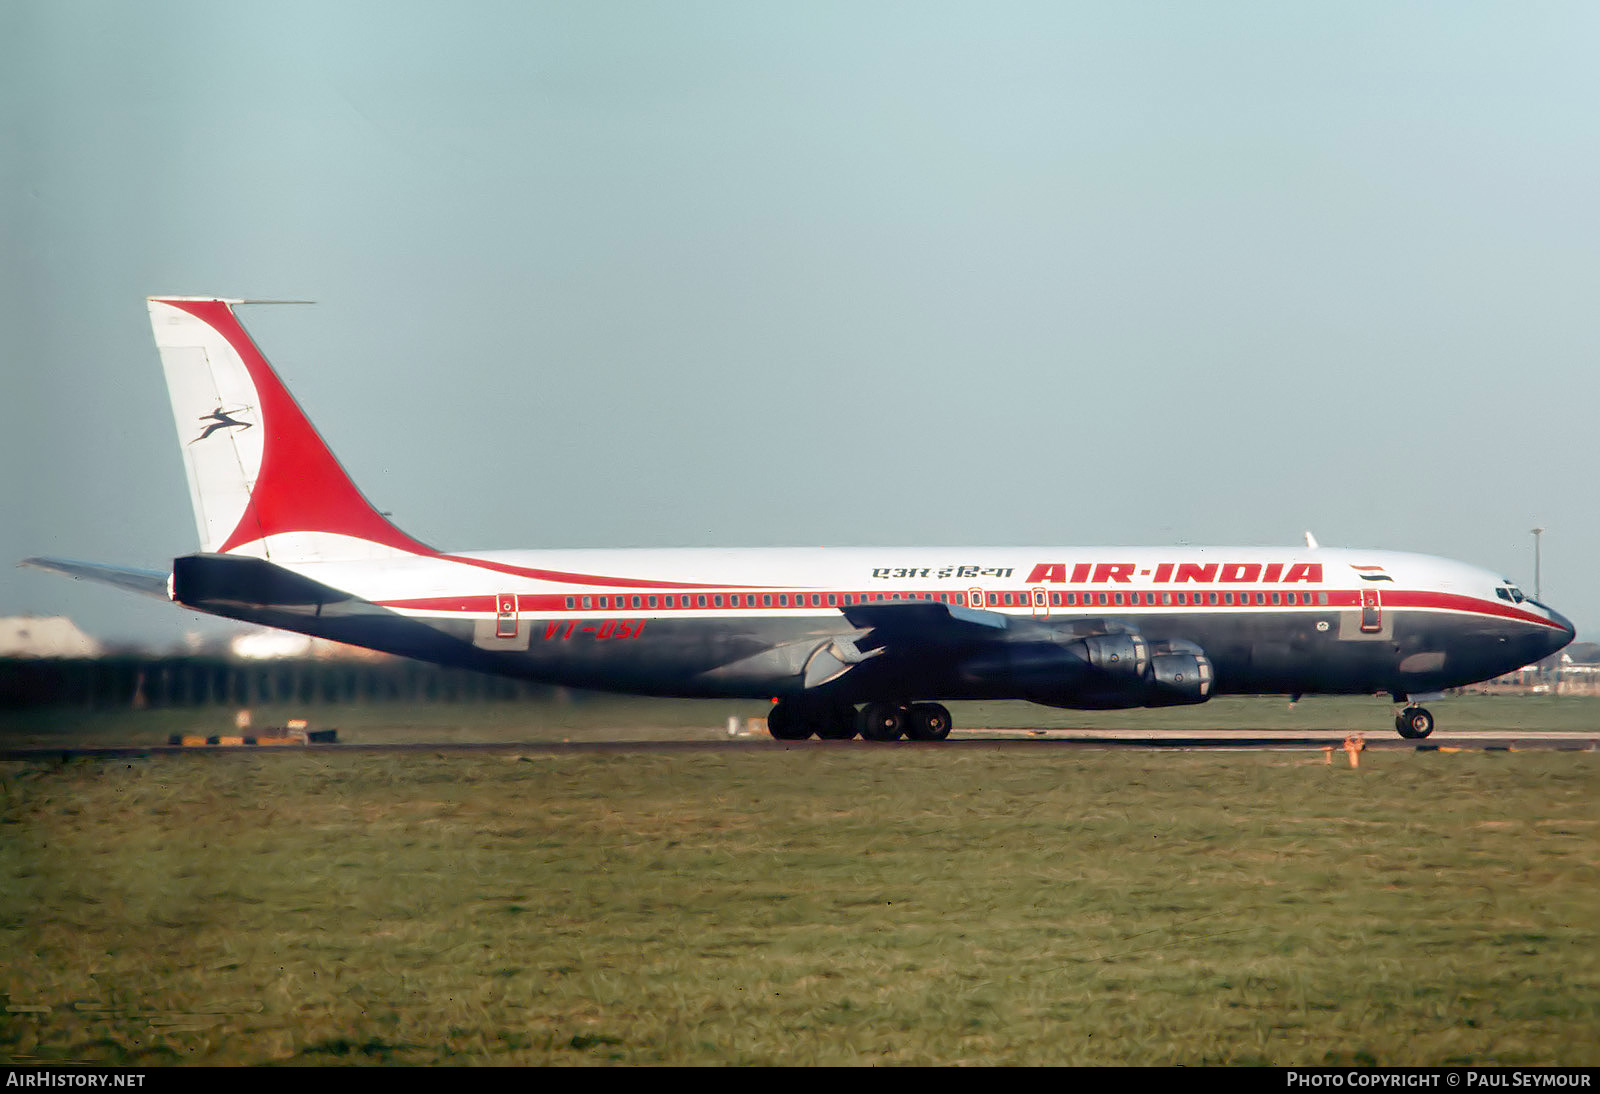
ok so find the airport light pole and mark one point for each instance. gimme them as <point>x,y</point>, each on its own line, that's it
<point>1538,593</point>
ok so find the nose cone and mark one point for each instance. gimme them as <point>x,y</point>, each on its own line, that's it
<point>1558,638</point>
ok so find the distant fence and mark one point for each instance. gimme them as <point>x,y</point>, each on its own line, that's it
<point>113,682</point>
<point>1553,685</point>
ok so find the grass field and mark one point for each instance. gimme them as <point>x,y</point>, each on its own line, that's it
<point>590,717</point>
<point>845,906</point>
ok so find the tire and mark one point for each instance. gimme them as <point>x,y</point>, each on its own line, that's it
<point>928,722</point>
<point>1414,723</point>
<point>881,721</point>
<point>785,724</point>
<point>836,722</point>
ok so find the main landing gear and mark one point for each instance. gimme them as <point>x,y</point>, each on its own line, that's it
<point>796,720</point>
<point>1413,723</point>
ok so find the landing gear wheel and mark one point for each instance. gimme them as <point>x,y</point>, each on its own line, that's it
<point>881,721</point>
<point>1414,723</point>
<point>836,722</point>
<point>928,722</point>
<point>785,723</point>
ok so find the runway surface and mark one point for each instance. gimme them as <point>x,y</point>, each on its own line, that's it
<point>1154,740</point>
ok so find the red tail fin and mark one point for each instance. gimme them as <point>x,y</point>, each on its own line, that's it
<point>262,480</point>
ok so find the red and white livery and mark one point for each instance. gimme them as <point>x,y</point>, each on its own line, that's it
<point>845,641</point>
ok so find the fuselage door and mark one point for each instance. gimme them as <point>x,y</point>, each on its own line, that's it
<point>975,598</point>
<point>1041,604</point>
<point>1371,610</point>
<point>505,615</point>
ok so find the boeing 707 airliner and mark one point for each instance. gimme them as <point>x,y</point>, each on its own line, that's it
<point>843,641</point>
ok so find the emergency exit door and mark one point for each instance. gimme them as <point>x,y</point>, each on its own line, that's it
<point>505,615</point>
<point>1371,611</point>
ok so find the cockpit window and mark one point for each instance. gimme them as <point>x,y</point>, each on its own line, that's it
<point>1510,592</point>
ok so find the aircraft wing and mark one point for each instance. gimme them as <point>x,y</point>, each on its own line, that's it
<point>147,582</point>
<point>926,620</point>
<point>910,623</point>
<point>904,627</point>
<point>1091,662</point>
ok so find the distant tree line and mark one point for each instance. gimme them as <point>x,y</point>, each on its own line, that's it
<point>133,681</point>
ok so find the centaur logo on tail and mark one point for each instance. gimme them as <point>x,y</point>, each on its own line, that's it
<point>221,419</point>
<point>288,540</point>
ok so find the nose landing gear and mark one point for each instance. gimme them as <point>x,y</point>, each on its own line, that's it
<point>1413,723</point>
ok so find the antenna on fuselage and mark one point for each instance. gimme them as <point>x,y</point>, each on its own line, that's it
<point>1311,540</point>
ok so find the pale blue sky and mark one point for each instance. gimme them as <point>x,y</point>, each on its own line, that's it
<point>755,274</point>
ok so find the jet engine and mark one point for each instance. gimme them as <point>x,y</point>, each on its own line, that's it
<point>1180,674</point>
<point>1095,672</point>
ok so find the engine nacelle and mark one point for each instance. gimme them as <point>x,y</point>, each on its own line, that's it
<point>1180,674</point>
<point>1096,672</point>
<point>1120,655</point>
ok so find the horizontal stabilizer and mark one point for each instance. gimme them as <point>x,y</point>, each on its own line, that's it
<point>147,582</point>
<point>208,580</point>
